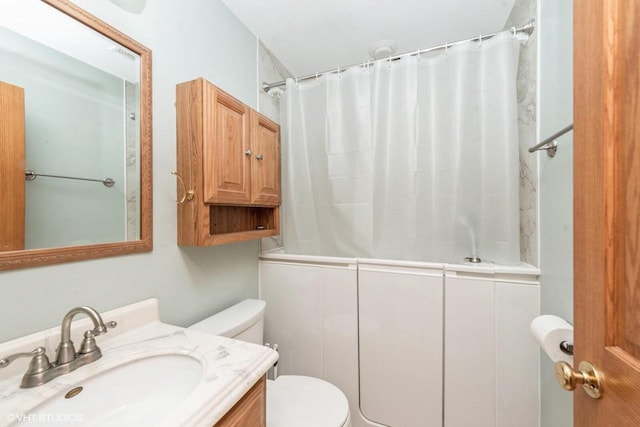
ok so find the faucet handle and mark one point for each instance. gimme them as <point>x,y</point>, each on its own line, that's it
<point>39,360</point>
<point>88,343</point>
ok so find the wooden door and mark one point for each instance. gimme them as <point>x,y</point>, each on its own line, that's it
<point>12,156</point>
<point>265,163</point>
<point>607,207</point>
<point>227,159</point>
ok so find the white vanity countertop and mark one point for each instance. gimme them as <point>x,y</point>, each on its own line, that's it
<point>230,367</point>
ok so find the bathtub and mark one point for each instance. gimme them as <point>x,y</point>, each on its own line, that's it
<point>409,343</point>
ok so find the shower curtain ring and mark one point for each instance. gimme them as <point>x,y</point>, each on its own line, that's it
<point>446,48</point>
<point>317,77</point>
<point>480,40</point>
<point>514,31</point>
<point>297,85</point>
<point>389,61</point>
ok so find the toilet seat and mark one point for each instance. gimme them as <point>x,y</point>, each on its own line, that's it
<point>299,401</point>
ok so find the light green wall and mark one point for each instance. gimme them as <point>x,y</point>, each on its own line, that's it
<point>556,191</point>
<point>188,40</point>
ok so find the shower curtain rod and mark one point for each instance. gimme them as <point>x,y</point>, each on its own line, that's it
<point>527,29</point>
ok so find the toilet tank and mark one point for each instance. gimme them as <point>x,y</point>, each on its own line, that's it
<point>243,321</point>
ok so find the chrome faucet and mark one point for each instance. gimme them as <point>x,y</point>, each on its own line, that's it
<point>41,371</point>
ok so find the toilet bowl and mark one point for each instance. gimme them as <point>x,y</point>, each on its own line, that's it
<point>292,400</point>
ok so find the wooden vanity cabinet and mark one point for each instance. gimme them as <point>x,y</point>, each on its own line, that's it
<point>229,156</point>
<point>250,411</point>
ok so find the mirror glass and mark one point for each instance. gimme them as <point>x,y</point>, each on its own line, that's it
<point>72,92</point>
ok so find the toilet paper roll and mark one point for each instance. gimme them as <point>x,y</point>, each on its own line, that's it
<point>549,331</point>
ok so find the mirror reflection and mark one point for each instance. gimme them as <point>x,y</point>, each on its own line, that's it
<point>70,104</point>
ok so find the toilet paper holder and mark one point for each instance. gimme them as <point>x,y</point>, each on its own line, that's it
<point>566,347</point>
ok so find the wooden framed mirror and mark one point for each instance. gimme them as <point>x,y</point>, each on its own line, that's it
<point>75,137</point>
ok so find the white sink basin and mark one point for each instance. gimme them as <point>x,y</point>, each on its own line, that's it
<point>138,393</point>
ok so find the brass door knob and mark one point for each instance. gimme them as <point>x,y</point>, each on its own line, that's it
<point>591,379</point>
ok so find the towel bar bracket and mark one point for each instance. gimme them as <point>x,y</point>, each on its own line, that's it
<point>552,148</point>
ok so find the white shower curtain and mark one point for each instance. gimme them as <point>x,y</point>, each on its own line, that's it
<point>414,159</point>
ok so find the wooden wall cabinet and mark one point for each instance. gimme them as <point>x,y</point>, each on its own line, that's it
<point>229,156</point>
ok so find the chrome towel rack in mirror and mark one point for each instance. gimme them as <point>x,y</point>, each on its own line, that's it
<point>30,175</point>
<point>551,144</point>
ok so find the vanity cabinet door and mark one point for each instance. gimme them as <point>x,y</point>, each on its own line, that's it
<point>226,150</point>
<point>250,411</point>
<point>265,163</point>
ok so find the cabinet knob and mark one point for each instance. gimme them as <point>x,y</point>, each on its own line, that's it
<point>248,153</point>
<point>259,157</point>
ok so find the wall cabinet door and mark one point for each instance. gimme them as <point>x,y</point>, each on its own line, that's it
<point>226,151</point>
<point>265,163</point>
<point>241,152</point>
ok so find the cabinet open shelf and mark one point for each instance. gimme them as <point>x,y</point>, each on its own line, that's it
<point>242,223</point>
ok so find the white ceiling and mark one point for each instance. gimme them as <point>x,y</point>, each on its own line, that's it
<point>310,36</point>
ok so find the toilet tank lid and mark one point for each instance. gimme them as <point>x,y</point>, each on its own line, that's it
<point>233,320</point>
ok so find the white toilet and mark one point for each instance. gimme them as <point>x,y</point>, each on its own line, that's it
<point>292,400</point>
